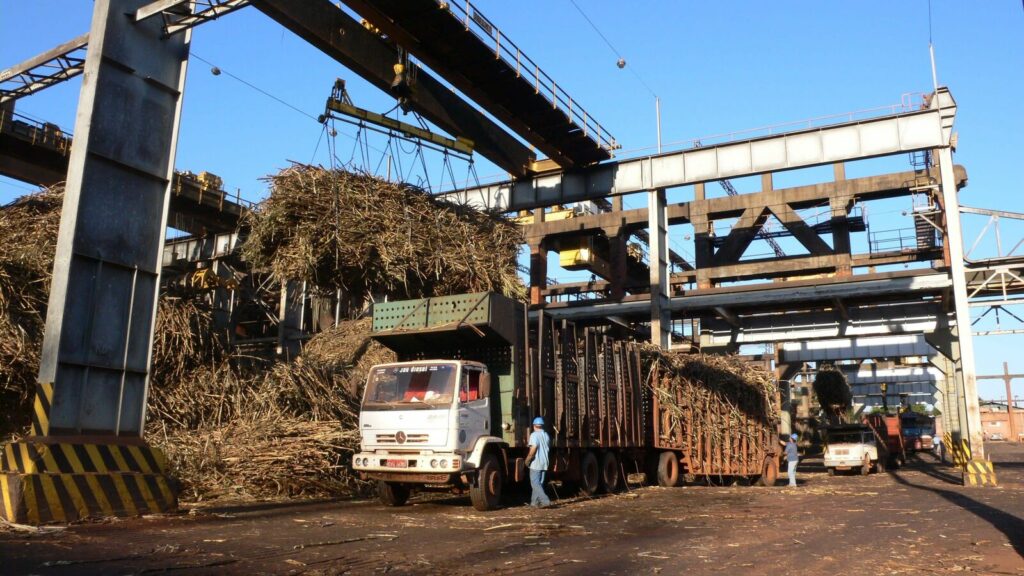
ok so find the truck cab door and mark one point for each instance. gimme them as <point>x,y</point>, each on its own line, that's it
<point>474,406</point>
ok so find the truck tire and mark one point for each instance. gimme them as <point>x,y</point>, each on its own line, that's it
<point>392,493</point>
<point>668,470</point>
<point>590,474</point>
<point>769,472</point>
<point>485,491</point>
<point>611,478</point>
<point>831,471</point>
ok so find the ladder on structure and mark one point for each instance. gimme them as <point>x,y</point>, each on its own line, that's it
<point>925,208</point>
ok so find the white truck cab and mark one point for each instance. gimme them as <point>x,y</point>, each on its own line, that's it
<point>850,447</point>
<point>423,423</point>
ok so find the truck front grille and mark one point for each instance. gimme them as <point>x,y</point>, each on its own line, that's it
<point>409,438</point>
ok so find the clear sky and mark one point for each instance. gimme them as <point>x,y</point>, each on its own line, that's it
<point>718,67</point>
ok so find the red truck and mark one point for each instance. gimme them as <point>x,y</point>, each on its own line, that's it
<point>889,435</point>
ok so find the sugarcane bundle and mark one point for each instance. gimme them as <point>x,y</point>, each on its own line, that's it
<point>720,411</point>
<point>341,230</point>
<point>833,392</point>
<point>28,241</point>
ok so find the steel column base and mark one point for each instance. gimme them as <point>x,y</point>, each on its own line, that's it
<point>45,481</point>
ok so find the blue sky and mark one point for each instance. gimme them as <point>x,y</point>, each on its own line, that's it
<point>718,67</point>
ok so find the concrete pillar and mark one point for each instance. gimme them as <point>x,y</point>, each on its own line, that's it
<point>657,222</point>
<point>702,229</point>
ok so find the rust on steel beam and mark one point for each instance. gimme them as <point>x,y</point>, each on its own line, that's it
<point>341,37</point>
<point>859,189</point>
<point>800,230</point>
<point>741,235</point>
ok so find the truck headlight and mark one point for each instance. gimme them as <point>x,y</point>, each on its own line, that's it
<point>433,463</point>
<point>444,463</point>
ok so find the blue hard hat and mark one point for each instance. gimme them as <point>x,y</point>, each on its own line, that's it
<point>793,436</point>
<point>538,421</point>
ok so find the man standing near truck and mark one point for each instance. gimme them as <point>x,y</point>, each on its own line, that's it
<point>537,462</point>
<point>792,459</point>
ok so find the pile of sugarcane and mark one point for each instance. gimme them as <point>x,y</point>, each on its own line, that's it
<point>340,230</point>
<point>285,432</point>
<point>719,410</point>
<point>833,392</point>
<point>28,241</point>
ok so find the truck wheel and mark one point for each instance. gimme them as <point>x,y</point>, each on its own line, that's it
<point>831,471</point>
<point>668,470</point>
<point>590,474</point>
<point>865,468</point>
<point>610,477</point>
<point>485,492</point>
<point>769,472</point>
<point>392,494</point>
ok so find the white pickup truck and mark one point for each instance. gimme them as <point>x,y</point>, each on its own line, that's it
<point>850,447</point>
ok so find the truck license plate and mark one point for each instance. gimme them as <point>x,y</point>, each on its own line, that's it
<point>392,463</point>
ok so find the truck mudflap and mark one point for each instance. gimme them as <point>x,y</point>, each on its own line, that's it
<point>413,477</point>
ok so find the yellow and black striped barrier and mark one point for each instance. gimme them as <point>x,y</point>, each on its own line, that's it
<point>41,409</point>
<point>43,481</point>
<point>979,473</point>
<point>959,452</point>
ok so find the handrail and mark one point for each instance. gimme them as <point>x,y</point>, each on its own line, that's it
<point>504,49</point>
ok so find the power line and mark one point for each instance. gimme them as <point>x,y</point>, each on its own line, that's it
<point>612,47</point>
<point>256,88</point>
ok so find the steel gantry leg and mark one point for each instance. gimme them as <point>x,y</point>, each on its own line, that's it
<point>964,364</point>
<point>87,456</point>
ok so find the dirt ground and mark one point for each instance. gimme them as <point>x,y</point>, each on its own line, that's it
<point>917,520</point>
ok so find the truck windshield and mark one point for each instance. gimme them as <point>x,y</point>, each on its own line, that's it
<point>410,387</point>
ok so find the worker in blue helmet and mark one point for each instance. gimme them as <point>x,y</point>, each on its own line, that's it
<point>792,459</point>
<point>537,462</point>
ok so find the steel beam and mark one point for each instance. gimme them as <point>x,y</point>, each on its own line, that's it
<point>900,346</point>
<point>338,35</point>
<point>911,317</point>
<point>42,71</point>
<point>102,307</point>
<point>741,298</point>
<point>965,370</point>
<point>893,134</point>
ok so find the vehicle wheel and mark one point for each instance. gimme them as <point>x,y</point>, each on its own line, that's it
<point>865,468</point>
<point>769,472</point>
<point>485,492</point>
<point>831,471</point>
<point>392,494</point>
<point>611,478</point>
<point>590,474</point>
<point>668,470</point>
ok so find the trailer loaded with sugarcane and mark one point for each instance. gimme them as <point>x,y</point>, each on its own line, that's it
<point>474,370</point>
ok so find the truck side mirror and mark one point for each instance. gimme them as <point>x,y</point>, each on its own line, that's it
<point>485,385</point>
